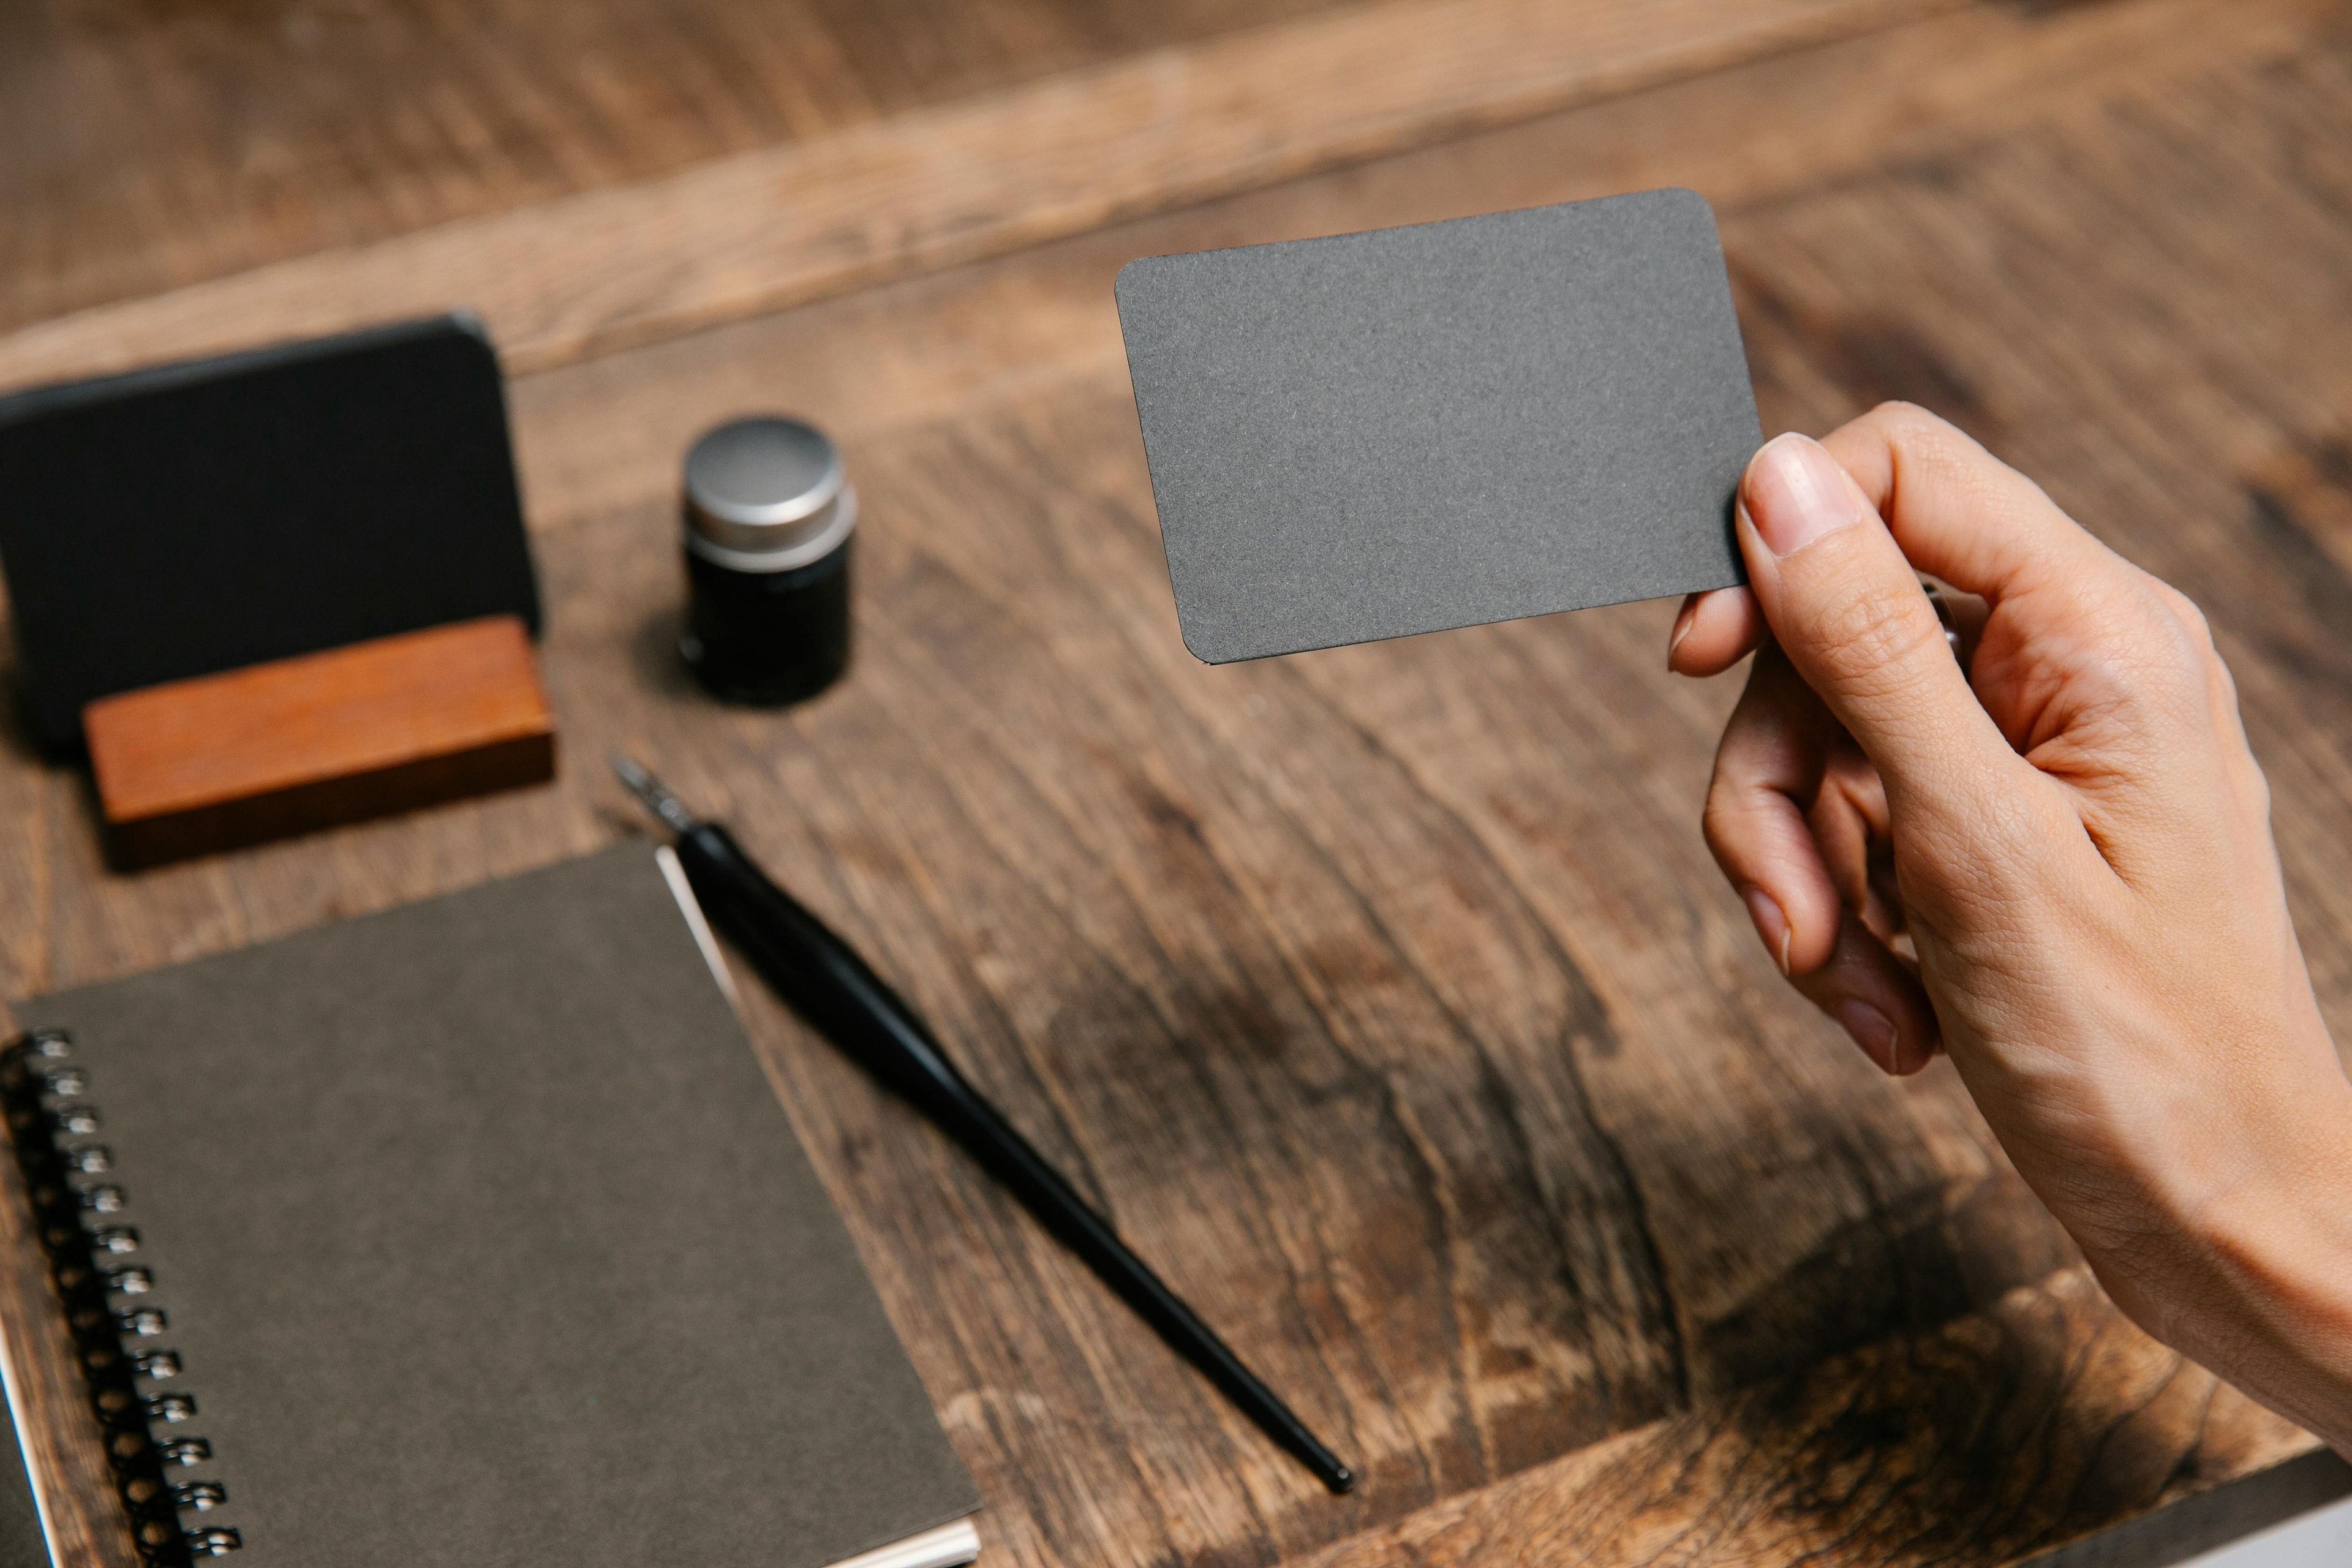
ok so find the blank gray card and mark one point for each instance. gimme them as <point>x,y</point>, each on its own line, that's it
<point>1413,430</point>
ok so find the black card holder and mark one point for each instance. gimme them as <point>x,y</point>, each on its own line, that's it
<point>191,519</point>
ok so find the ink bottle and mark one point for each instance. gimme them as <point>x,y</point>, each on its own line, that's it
<point>768,514</point>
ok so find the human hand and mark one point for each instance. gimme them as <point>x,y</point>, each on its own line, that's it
<point>2056,866</point>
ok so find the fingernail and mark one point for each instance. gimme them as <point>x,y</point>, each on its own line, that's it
<point>1682,630</point>
<point>1871,1029</point>
<point>1770,924</point>
<point>1796,494</point>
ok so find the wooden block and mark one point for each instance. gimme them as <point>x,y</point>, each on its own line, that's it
<point>192,766</point>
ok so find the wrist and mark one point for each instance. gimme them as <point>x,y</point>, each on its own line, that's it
<point>2265,1297</point>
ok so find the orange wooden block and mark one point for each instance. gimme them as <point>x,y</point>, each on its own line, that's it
<point>192,766</point>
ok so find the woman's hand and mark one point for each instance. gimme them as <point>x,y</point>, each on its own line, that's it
<point>2056,866</point>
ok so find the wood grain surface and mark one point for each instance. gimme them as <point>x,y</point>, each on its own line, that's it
<point>1386,996</point>
<point>879,198</point>
<point>151,145</point>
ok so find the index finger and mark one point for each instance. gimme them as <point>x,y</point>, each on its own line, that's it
<point>1958,512</point>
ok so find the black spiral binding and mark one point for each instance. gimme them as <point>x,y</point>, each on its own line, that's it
<point>130,1376</point>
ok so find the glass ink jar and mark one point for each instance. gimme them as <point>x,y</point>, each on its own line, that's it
<point>767,515</point>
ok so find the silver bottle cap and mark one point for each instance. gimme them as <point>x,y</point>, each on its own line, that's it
<point>766,495</point>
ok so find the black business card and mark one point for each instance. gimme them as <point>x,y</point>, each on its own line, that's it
<point>1374,435</point>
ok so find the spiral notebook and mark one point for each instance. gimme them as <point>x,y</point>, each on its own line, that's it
<point>470,1233</point>
<point>24,1531</point>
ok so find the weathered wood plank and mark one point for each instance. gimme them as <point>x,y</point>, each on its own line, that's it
<point>887,358</point>
<point>724,238</point>
<point>1906,1453</point>
<point>148,147</point>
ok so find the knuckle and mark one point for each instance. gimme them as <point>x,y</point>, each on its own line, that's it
<point>2150,653</point>
<point>1737,824</point>
<point>1714,825</point>
<point>1871,639</point>
<point>1897,414</point>
<point>1927,439</point>
<point>1721,820</point>
<point>2191,621</point>
<point>2173,651</point>
<point>2256,786</point>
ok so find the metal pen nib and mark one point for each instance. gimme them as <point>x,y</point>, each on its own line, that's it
<point>648,789</point>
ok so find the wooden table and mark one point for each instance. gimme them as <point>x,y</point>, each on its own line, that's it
<point>1385,996</point>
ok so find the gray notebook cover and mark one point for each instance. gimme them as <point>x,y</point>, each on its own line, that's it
<point>1417,428</point>
<point>485,1240</point>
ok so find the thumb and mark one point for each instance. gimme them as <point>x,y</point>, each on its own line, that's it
<point>1847,609</point>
